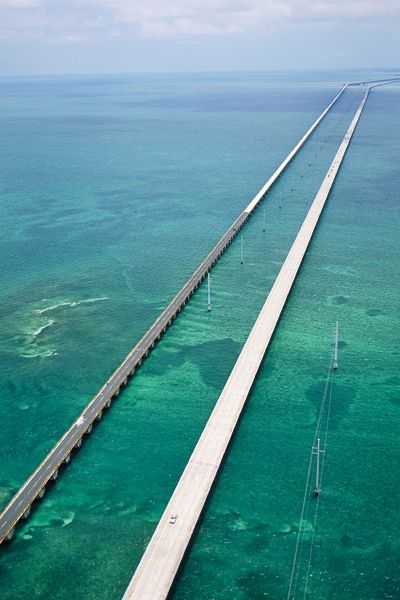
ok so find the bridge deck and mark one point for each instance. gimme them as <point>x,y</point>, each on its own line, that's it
<point>48,468</point>
<point>160,562</point>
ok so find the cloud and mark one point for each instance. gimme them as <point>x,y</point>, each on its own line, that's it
<point>221,16</point>
<point>75,20</point>
<point>361,9</point>
<point>19,3</point>
<point>180,17</point>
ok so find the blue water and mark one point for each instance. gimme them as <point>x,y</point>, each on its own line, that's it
<point>112,190</point>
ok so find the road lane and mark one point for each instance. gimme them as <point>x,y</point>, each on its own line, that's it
<point>160,562</point>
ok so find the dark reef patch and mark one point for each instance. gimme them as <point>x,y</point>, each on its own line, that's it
<point>340,300</point>
<point>343,395</point>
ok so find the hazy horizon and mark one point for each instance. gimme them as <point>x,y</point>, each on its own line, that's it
<point>43,37</point>
<point>328,70</point>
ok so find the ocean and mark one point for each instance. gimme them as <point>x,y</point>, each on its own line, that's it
<point>112,189</point>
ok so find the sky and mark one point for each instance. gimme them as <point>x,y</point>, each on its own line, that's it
<point>123,36</point>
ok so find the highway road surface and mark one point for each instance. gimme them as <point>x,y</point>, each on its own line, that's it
<point>160,562</point>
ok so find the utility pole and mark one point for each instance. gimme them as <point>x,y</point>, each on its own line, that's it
<point>209,291</point>
<point>317,450</point>
<point>336,347</point>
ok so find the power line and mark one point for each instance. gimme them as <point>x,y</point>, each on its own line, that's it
<point>325,409</point>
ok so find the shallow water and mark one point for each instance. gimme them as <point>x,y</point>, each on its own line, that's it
<point>113,189</point>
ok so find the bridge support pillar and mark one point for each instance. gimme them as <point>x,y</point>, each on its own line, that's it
<point>89,429</point>
<point>54,475</point>
<point>26,513</point>
<point>41,493</point>
<point>67,458</point>
<point>10,535</point>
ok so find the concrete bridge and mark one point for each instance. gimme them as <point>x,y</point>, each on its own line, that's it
<point>20,505</point>
<point>158,567</point>
<point>377,82</point>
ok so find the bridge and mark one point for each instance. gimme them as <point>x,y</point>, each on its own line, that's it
<point>20,505</point>
<point>160,562</point>
<point>377,82</point>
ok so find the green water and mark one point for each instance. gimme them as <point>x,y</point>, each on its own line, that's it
<point>246,541</point>
<point>113,190</point>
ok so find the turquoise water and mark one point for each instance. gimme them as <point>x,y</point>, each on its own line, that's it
<point>112,190</point>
